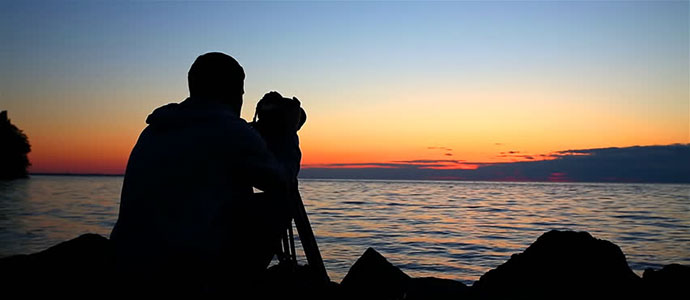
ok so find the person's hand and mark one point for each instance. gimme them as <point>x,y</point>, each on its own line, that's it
<point>292,114</point>
<point>302,114</point>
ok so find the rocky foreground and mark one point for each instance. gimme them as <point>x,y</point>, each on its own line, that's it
<point>559,264</point>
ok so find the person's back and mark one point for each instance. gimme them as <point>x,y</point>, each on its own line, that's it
<point>189,179</point>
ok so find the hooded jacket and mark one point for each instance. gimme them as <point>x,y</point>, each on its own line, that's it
<point>187,177</point>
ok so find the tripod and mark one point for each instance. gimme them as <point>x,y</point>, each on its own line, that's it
<point>306,235</point>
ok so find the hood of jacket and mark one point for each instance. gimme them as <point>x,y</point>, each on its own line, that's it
<point>188,112</point>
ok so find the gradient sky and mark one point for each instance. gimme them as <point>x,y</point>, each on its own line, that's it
<point>381,81</point>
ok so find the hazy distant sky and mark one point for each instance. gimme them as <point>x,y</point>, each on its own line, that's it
<point>381,81</point>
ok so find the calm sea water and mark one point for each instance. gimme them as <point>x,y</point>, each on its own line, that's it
<point>456,230</point>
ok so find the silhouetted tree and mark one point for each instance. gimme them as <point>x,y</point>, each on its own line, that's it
<point>14,146</point>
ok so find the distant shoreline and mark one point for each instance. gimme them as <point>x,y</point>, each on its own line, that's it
<point>386,180</point>
<point>76,174</point>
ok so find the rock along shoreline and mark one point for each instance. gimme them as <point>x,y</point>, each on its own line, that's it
<point>558,265</point>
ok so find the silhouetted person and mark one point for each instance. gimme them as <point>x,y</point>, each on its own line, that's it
<point>14,147</point>
<point>188,218</point>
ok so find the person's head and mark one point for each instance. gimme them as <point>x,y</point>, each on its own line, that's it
<point>216,76</point>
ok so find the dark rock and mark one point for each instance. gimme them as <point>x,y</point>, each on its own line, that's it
<point>89,251</point>
<point>436,288</point>
<point>562,264</point>
<point>571,265</point>
<point>81,265</point>
<point>285,281</point>
<point>373,277</point>
<point>670,282</point>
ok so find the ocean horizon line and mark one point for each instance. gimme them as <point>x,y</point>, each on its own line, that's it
<point>391,179</point>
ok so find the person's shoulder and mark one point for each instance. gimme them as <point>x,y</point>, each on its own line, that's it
<point>240,129</point>
<point>229,127</point>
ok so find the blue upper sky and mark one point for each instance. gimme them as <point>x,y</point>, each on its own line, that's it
<point>381,81</point>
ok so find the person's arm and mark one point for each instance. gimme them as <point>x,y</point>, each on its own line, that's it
<point>272,162</point>
<point>276,121</point>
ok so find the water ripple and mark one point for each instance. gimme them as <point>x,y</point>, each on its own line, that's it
<point>455,230</point>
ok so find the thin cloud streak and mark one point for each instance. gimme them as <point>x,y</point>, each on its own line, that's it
<point>664,164</point>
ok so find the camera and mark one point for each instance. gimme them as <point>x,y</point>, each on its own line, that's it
<point>276,114</point>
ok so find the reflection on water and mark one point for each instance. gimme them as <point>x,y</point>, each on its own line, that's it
<point>39,212</point>
<point>455,230</point>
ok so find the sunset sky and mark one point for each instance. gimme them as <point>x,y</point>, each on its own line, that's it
<point>480,82</point>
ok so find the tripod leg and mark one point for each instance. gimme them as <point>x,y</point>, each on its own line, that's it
<point>306,236</point>
<point>292,245</point>
<point>286,245</point>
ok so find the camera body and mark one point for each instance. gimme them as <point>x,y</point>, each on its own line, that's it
<point>276,114</point>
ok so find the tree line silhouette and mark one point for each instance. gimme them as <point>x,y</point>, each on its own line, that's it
<point>14,147</point>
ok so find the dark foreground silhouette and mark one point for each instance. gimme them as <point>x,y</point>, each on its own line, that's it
<point>15,147</point>
<point>559,264</point>
<point>189,219</point>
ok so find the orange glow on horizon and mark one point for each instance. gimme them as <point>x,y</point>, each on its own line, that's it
<point>381,83</point>
<point>493,127</point>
